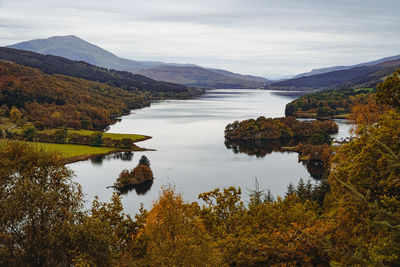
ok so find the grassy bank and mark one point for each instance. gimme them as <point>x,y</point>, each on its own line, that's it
<point>73,153</point>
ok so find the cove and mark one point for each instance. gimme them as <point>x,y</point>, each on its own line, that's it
<point>188,136</point>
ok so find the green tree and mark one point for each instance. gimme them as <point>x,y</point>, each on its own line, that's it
<point>40,207</point>
<point>60,136</point>
<point>28,131</point>
<point>144,161</point>
<point>96,139</point>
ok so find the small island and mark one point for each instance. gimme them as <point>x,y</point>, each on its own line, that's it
<point>278,128</point>
<point>141,174</point>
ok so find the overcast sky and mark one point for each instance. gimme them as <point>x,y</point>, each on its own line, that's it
<point>259,37</point>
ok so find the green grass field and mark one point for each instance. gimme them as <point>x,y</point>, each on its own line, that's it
<point>68,150</point>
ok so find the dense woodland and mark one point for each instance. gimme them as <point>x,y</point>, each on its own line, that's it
<point>327,103</point>
<point>352,219</point>
<point>58,100</point>
<point>126,80</point>
<point>278,128</point>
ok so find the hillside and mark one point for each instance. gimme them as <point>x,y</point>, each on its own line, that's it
<point>125,80</point>
<point>337,68</point>
<point>58,100</point>
<point>74,48</point>
<point>359,77</point>
<point>200,77</point>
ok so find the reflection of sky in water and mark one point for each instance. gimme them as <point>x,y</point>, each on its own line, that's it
<point>191,155</point>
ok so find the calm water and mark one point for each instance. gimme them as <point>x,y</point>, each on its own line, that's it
<point>189,138</point>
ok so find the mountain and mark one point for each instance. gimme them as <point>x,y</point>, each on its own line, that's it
<point>357,77</point>
<point>122,79</point>
<point>74,48</point>
<point>201,77</point>
<point>337,68</point>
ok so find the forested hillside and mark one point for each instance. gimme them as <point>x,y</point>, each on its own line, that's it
<point>125,80</point>
<point>58,100</point>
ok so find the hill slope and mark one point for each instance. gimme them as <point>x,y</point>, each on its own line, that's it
<point>337,68</point>
<point>359,77</point>
<point>201,77</point>
<point>58,100</point>
<point>125,80</point>
<point>74,48</point>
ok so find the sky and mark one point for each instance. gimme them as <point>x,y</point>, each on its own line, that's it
<point>258,37</point>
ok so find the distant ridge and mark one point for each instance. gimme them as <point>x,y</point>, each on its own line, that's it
<point>337,68</point>
<point>74,48</point>
<point>357,77</point>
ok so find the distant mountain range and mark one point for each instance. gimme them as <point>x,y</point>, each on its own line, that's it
<point>337,68</point>
<point>365,75</point>
<point>126,80</point>
<point>74,48</point>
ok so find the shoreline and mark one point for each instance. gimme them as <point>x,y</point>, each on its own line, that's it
<point>70,160</point>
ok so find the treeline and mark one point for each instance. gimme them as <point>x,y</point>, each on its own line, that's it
<point>278,128</point>
<point>327,103</point>
<point>126,80</point>
<point>57,100</point>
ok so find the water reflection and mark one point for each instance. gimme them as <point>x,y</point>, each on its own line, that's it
<point>124,156</point>
<point>316,169</point>
<point>141,189</point>
<point>261,148</point>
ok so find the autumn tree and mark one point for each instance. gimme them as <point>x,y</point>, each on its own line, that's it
<point>175,235</point>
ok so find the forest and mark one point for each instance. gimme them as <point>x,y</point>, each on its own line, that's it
<point>125,80</point>
<point>29,95</point>
<point>327,104</point>
<point>276,128</point>
<point>351,219</point>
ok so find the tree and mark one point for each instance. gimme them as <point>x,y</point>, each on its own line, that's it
<point>388,91</point>
<point>96,139</point>
<point>290,189</point>
<point>40,207</point>
<point>176,236</point>
<point>28,131</point>
<point>60,136</point>
<point>144,161</point>
<point>15,115</point>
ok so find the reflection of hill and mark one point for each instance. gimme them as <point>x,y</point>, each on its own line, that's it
<point>141,189</point>
<point>261,148</point>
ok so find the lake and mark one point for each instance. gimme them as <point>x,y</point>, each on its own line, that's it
<point>188,136</point>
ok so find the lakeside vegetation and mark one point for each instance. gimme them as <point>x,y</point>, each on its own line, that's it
<point>336,104</point>
<point>277,128</point>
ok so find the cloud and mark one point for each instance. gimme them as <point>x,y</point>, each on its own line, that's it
<point>251,37</point>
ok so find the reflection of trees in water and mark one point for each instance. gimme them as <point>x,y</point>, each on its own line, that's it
<point>315,169</point>
<point>141,189</point>
<point>261,148</point>
<point>125,156</point>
